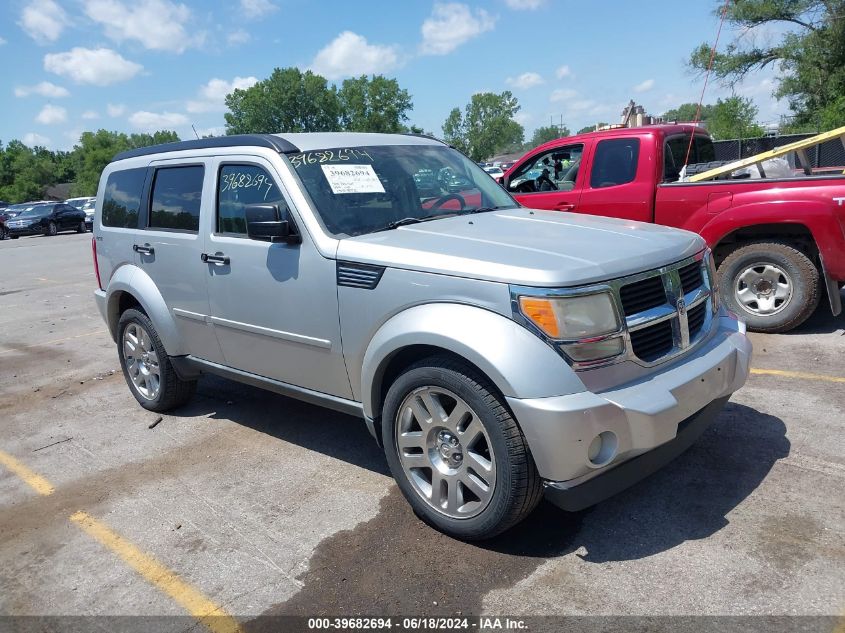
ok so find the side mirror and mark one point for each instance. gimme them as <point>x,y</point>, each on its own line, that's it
<point>504,182</point>
<point>269,222</point>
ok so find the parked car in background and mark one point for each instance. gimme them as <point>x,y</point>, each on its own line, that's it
<point>47,219</point>
<point>12,211</point>
<point>496,353</point>
<point>79,202</point>
<point>494,172</point>
<point>779,243</point>
<point>3,204</point>
<point>89,208</point>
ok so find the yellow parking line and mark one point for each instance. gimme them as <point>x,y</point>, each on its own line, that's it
<point>796,374</point>
<point>210,614</point>
<point>29,477</point>
<point>60,340</point>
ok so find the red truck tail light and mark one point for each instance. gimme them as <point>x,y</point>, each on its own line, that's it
<point>96,265</point>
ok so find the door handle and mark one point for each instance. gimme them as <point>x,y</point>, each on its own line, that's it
<point>215,259</point>
<point>146,249</point>
<point>564,206</point>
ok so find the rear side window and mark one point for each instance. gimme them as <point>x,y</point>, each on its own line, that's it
<point>122,198</point>
<point>615,162</point>
<point>176,198</point>
<point>238,186</point>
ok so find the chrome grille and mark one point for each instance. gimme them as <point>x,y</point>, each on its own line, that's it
<point>666,310</point>
<point>642,295</point>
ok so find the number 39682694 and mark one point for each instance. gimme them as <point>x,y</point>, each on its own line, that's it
<point>241,180</point>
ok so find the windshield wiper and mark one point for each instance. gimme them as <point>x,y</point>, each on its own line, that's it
<point>485,209</point>
<point>412,220</point>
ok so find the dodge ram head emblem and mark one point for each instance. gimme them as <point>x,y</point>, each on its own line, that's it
<point>681,305</point>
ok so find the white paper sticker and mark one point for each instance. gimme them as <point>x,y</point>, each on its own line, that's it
<point>352,179</point>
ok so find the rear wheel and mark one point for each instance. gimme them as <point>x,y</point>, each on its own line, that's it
<point>456,453</point>
<point>51,229</point>
<point>82,227</point>
<point>772,286</point>
<point>147,367</point>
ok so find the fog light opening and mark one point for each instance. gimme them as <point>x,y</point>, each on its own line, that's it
<point>603,448</point>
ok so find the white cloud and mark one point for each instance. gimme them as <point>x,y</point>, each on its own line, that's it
<point>523,118</point>
<point>237,37</point>
<point>212,95</point>
<point>525,5</point>
<point>43,20</point>
<point>349,54</point>
<point>644,86</point>
<point>257,8</point>
<point>452,24</point>
<point>115,110</point>
<point>525,80</point>
<point>2,41</point>
<point>563,72</point>
<point>563,94</point>
<point>31,139</point>
<point>153,121</point>
<point>156,24</point>
<point>98,66</point>
<point>90,115</point>
<point>44,89</point>
<point>50,115</point>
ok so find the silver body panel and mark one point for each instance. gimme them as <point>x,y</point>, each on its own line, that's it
<point>276,316</point>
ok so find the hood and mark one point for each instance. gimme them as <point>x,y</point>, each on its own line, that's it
<point>525,247</point>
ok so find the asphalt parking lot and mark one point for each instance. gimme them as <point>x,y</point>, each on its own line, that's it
<point>247,503</point>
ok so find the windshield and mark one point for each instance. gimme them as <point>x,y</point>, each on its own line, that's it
<point>358,190</point>
<point>35,211</point>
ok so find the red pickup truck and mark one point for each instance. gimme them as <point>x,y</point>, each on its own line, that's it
<point>778,243</point>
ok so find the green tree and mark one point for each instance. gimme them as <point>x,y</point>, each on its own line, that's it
<point>486,127</point>
<point>288,101</point>
<point>590,128</point>
<point>686,112</point>
<point>95,150</point>
<point>373,105</point>
<point>545,134</point>
<point>734,117</point>
<point>809,55</point>
<point>26,172</point>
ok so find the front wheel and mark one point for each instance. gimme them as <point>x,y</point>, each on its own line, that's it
<point>4,233</point>
<point>147,367</point>
<point>456,453</point>
<point>772,286</point>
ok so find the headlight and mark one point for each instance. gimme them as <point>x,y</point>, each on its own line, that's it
<point>571,318</point>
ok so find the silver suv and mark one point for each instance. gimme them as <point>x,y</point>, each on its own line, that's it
<point>497,353</point>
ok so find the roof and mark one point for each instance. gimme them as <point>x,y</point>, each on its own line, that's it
<point>284,143</point>
<point>664,129</point>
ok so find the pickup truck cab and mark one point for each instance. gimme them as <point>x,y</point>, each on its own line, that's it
<point>778,243</point>
<point>497,353</point>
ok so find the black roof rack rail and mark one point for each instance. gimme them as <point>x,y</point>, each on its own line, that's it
<point>269,141</point>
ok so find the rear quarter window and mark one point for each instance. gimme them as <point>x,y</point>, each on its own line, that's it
<point>122,198</point>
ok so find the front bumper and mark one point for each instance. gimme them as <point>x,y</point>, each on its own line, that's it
<point>32,229</point>
<point>639,417</point>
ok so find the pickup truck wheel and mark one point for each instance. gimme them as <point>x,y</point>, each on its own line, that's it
<point>458,456</point>
<point>51,229</point>
<point>146,366</point>
<point>772,286</point>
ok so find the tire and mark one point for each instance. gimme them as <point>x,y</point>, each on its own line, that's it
<point>82,227</point>
<point>148,358</point>
<point>51,229</point>
<point>14,237</point>
<point>764,265</point>
<point>4,233</point>
<point>496,455</point>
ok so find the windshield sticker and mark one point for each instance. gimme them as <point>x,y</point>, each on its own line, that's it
<point>327,156</point>
<point>352,179</point>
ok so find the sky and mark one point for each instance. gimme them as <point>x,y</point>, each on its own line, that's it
<point>144,65</point>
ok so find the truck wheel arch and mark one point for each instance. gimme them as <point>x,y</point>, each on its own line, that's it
<point>797,233</point>
<point>132,287</point>
<point>475,336</point>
